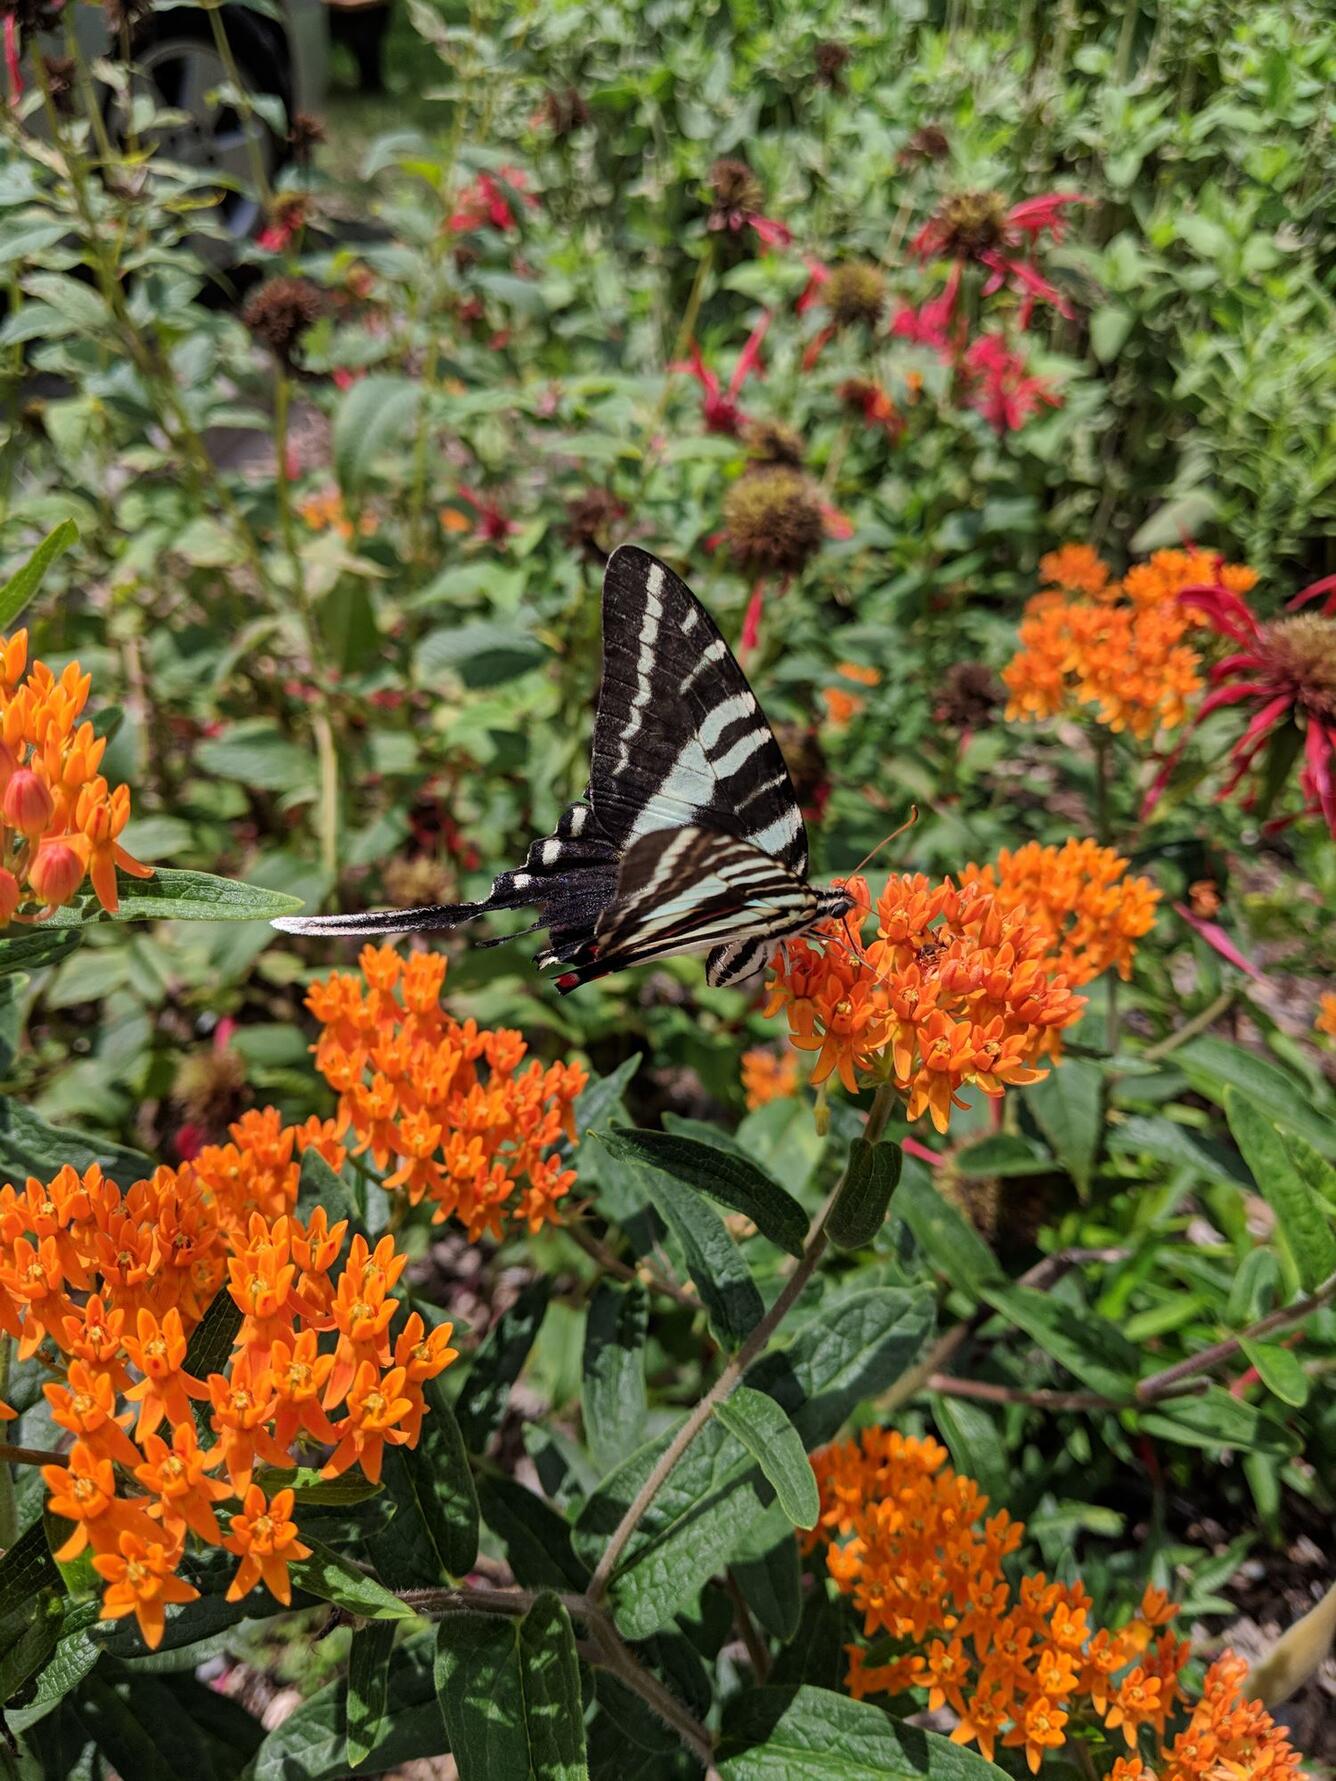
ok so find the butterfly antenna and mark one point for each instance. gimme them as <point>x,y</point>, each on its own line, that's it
<point>908,823</point>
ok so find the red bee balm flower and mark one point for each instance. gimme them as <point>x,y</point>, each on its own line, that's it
<point>1285,669</point>
<point>978,226</point>
<point>719,404</point>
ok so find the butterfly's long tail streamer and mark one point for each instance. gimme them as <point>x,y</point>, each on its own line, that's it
<point>384,921</point>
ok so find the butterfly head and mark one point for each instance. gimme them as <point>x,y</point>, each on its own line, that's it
<point>834,903</point>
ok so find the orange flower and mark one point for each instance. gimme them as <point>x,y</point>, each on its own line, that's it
<point>1040,1730</point>
<point>141,1579</point>
<point>264,1537</point>
<point>1080,896</point>
<point>1120,648</point>
<point>87,1407</point>
<point>767,1077</point>
<point>178,1477</point>
<point>841,705</point>
<point>955,990</point>
<point>1326,1015</point>
<point>447,1104</point>
<point>159,1351</point>
<point>59,820</point>
<point>376,1407</point>
<point>84,1491</point>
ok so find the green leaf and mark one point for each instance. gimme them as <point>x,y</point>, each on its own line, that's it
<point>24,1656</point>
<point>1091,1348</point>
<point>1280,1371</point>
<point>72,1659</point>
<point>319,1185</point>
<point>24,583</point>
<point>308,1486</point>
<point>210,1345</point>
<point>497,1365</point>
<point>1002,1153</point>
<point>1172,1143</point>
<point>771,1582</point>
<point>536,1539</point>
<point>375,416</point>
<point>1068,1104</point>
<point>945,1236</point>
<point>182,896</point>
<point>26,1569</point>
<point>29,1146</point>
<point>1303,1215</point>
<point>311,1743</point>
<point>870,1180</point>
<point>338,1580</point>
<point>1211,1064</point>
<point>484,654</point>
<point>717,1270</point>
<point>734,1181</point>
<point>612,1392</point>
<point>553,1704</point>
<point>368,1688</point>
<point>771,1439</point>
<point>813,1734</point>
<point>602,1097</point>
<point>977,1448</point>
<point>432,1487</point>
<point>37,947</point>
<point>1215,1419</point>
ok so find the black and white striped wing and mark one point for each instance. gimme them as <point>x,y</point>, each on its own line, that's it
<point>690,890</point>
<point>679,739</point>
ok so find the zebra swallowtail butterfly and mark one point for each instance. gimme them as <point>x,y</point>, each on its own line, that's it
<point>688,838</point>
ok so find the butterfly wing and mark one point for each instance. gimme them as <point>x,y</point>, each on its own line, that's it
<point>690,890</point>
<point>679,739</point>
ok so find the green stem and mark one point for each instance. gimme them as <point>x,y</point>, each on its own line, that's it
<point>732,1376</point>
<point>1199,1023</point>
<point>245,106</point>
<point>691,313</point>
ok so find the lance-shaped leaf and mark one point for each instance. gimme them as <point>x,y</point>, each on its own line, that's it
<point>734,1181</point>
<point>29,1146</point>
<point>773,1442</point>
<point>869,1181</point>
<point>1304,1217</point>
<point>612,1393</point>
<point>510,1695</point>
<point>950,1242</point>
<point>497,1364</point>
<point>436,1518</point>
<point>24,582</point>
<point>182,896</point>
<point>809,1734</point>
<point>311,1743</point>
<point>712,1259</point>
<point>368,1688</point>
<point>336,1579</point>
<point>1091,1348</point>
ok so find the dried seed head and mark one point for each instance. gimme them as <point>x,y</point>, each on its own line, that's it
<point>58,79</point>
<point>410,884</point>
<point>565,112</point>
<point>773,521</point>
<point>1300,653</point>
<point>831,60</point>
<point>208,1085</point>
<point>279,312</point>
<point>972,222</point>
<point>305,135</point>
<point>929,142</point>
<point>593,519</point>
<point>771,442</point>
<point>855,292</point>
<point>969,696</point>
<point>733,186</point>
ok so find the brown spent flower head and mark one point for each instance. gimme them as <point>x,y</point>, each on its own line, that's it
<point>972,222</point>
<point>126,15</point>
<point>58,79</point>
<point>279,312</point>
<point>831,60</point>
<point>305,134</point>
<point>855,292</point>
<point>771,442</point>
<point>733,185</point>
<point>565,112</point>
<point>929,142</point>
<point>773,520</point>
<point>593,519</point>
<point>412,884</point>
<point>208,1085</point>
<point>800,744</point>
<point>970,695</point>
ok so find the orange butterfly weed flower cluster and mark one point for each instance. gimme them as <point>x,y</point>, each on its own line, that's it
<point>445,1102</point>
<point>60,822</point>
<point>1080,896</point>
<point>768,1076</point>
<point>1121,647</point>
<point>910,1542</point>
<point>842,705</point>
<point>107,1287</point>
<point>955,990</point>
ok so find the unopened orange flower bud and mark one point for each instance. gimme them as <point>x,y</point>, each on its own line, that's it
<point>56,873</point>
<point>8,764</point>
<point>10,895</point>
<point>27,803</point>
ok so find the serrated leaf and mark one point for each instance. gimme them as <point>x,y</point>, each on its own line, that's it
<point>944,1235</point>
<point>498,1363</point>
<point>813,1734</point>
<point>871,1177</point>
<point>612,1391</point>
<point>1303,1215</point>
<point>773,1442</point>
<point>368,1688</point>
<point>717,1270</point>
<point>734,1181</point>
<point>338,1580</point>
<point>1091,1348</point>
<point>24,582</point>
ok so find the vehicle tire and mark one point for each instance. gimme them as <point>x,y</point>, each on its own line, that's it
<point>178,59</point>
